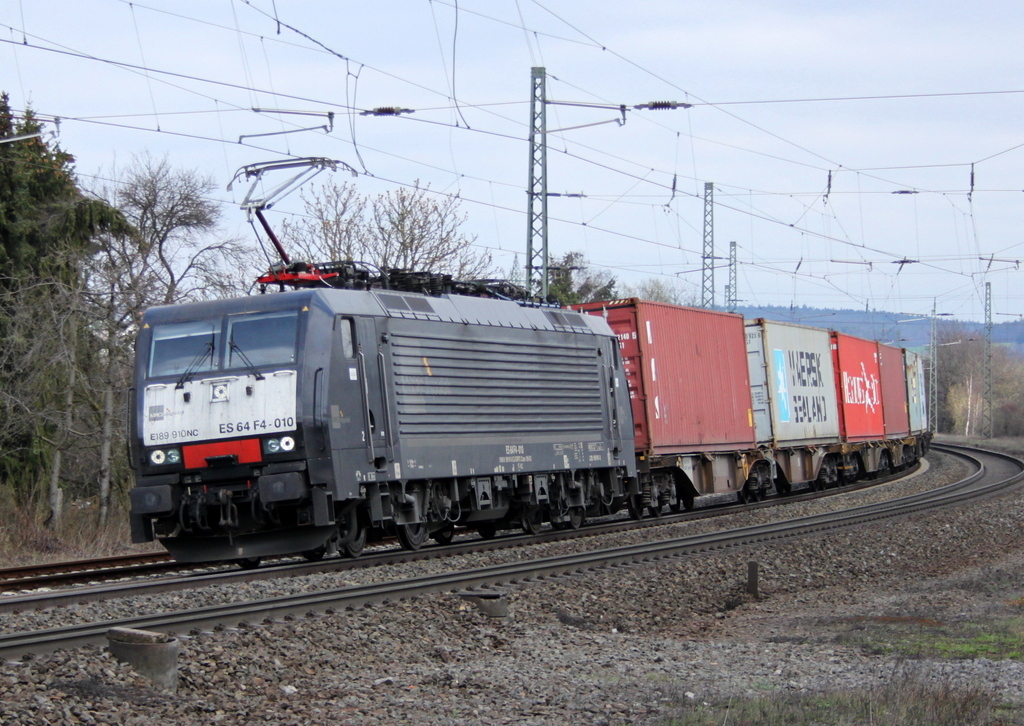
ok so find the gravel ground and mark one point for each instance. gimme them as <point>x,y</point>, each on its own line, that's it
<point>624,645</point>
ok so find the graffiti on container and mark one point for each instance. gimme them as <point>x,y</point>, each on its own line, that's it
<point>862,390</point>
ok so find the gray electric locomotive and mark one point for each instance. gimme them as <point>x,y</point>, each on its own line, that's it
<point>301,421</point>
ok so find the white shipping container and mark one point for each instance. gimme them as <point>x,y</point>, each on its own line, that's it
<point>792,380</point>
<point>917,404</point>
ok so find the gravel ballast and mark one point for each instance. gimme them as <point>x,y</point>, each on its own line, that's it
<point>620,645</point>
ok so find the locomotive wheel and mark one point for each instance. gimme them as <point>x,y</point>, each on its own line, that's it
<point>354,540</point>
<point>444,535</point>
<point>316,554</point>
<point>248,563</point>
<point>531,519</point>
<point>353,546</point>
<point>576,516</point>
<point>412,536</point>
<point>487,530</point>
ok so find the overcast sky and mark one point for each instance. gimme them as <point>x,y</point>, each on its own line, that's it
<point>840,137</point>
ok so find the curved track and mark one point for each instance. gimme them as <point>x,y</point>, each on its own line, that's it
<point>93,580</point>
<point>994,473</point>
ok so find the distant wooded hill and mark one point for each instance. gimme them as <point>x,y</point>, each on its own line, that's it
<point>893,328</point>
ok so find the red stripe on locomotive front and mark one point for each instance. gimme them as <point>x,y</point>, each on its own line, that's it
<point>247,451</point>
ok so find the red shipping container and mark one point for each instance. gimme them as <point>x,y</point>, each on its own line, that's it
<point>894,391</point>
<point>858,387</point>
<point>687,373</point>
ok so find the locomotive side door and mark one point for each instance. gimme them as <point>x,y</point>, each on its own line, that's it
<point>372,371</point>
<point>346,409</point>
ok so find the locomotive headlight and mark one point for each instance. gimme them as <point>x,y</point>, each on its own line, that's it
<point>159,457</point>
<point>276,446</point>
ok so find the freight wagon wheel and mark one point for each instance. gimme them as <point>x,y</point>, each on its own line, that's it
<point>487,530</point>
<point>248,563</point>
<point>531,519</point>
<point>756,485</point>
<point>654,510</point>
<point>852,472</point>
<point>412,536</point>
<point>675,507</point>
<point>634,507</point>
<point>826,474</point>
<point>444,535</point>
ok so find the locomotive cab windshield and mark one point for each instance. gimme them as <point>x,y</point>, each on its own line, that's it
<point>254,340</point>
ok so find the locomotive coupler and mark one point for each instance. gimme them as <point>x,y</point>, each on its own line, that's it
<point>228,510</point>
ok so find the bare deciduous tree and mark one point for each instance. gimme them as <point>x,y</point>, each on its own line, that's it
<point>42,358</point>
<point>176,256</point>
<point>409,229</point>
<point>333,227</point>
<point>412,230</point>
<point>571,280</point>
<point>672,291</point>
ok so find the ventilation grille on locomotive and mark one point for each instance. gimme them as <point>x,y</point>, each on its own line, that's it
<point>447,386</point>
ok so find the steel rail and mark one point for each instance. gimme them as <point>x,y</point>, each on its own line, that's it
<point>14,576</point>
<point>332,600</point>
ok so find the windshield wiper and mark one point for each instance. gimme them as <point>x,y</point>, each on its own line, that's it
<point>245,359</point>
<point>206,351</point>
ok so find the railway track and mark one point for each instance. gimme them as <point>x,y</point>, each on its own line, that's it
<point>994,473</point>
<point>98,579</point>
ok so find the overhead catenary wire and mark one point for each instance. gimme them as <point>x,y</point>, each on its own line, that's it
<point>666,185</point>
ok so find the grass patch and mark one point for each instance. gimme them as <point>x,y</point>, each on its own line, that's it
<point>26,540</point>
<point>924,638</point>
<point>903,702</point>
<point>1013,445</point>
